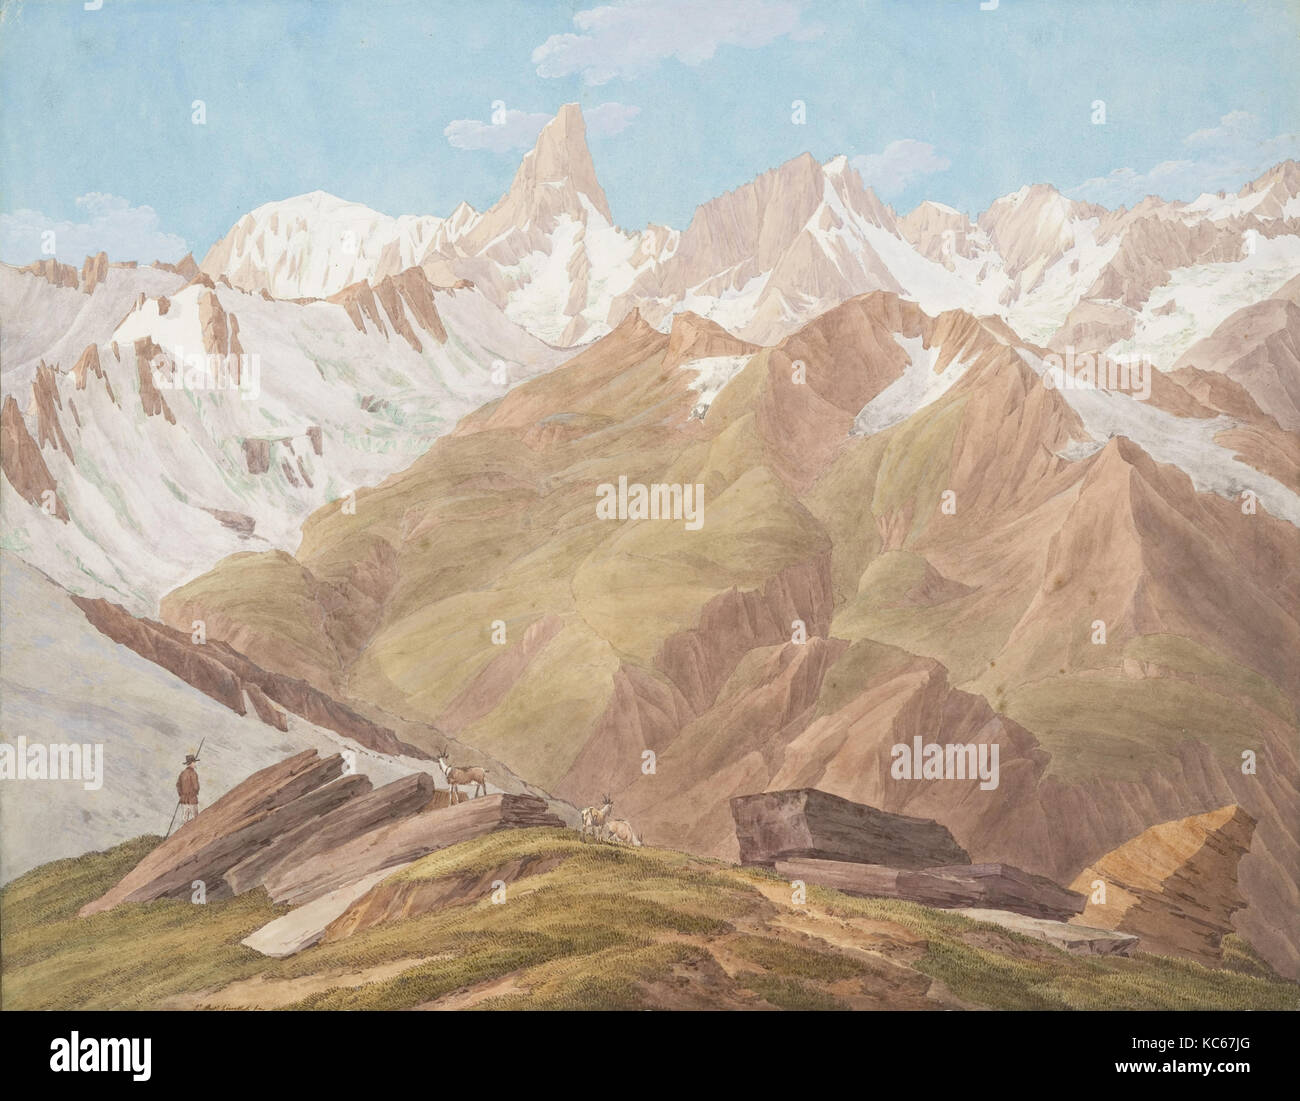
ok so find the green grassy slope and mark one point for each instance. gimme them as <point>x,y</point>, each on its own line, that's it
<point>583,926</point>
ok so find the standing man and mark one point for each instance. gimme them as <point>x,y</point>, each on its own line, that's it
<point>187,787</point>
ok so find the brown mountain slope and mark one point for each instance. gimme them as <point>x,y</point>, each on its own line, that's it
<point>939,578</point>
<point>1259,347</point>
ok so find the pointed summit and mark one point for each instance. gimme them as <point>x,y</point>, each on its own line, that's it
<point>553,179</point>
<point>561,156</point>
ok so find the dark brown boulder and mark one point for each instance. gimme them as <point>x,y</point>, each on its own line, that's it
<point>805,822</point>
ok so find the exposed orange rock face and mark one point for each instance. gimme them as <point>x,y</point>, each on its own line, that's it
<point>88,362</point>
<point>413,289</point>
<point>408,290</point>
<point>185,267</point>
<point>1153,246</point>
<point>22,461</point>
<point>359,301</point>
<point>1091,326</point>
<point>54,273</point>
<point>220,330</point>
<point>93,272</point>
<point>1026,228</point>
<point>146,351</point>
<point>1174,885</point>
<point>939,233</point>
<point>46,401</point>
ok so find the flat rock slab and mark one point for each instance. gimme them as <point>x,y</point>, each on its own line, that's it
<point>301,928</point>
<point>403,841</point>
<point>987,886</point>
<point>1082,940</point>
<point>807,823</point>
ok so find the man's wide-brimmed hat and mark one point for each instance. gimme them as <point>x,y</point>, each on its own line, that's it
<point>190,758</point>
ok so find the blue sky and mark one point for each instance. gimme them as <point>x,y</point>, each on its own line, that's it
<point>390,103</point>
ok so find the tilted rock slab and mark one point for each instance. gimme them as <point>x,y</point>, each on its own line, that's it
<point>293,813</point>
<point>1175,884</point>
<point>305,925</point>
<point>1081,940</point>
<point>352,818</point>
<point>404,841</point>
<point>202,849</point>
<point>987,886</point>
<point>807,823</point>
<point>220,671</point>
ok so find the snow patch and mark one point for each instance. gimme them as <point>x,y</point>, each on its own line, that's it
<point>918,386</point>
<point>1183,442</point>
<point>712,373</point>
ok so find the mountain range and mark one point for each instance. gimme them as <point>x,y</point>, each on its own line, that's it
<point>921,517</point>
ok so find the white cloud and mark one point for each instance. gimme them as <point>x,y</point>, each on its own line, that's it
<point>1220,158</point>
<point>609,119</point>
<point>111,225</point>
<point>510,130</point>
<point>901,163</point>
<point>519,129</point>
<point>631,39</point>
<point>1235,126</point>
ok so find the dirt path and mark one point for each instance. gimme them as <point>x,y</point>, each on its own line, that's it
<point>264,993</point>
<point>472,996</point>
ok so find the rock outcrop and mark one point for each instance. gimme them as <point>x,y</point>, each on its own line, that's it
<point>186,268</point>
<point>403,841</point>
<point>54,273</point>
<point>305,925</point>
<point>350,819</point>
<point>230,829</point>
<point>304,820</point>
<point>147,354</point>
<point>226,675</point>
<point>46,402</point>
<point>93,272</point>
<point>257,455</point>
<point>805,823</point>
<point>22,461</point>
<point>1174,885</point>
<point>1078,939</point>
<point>987,886</point>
